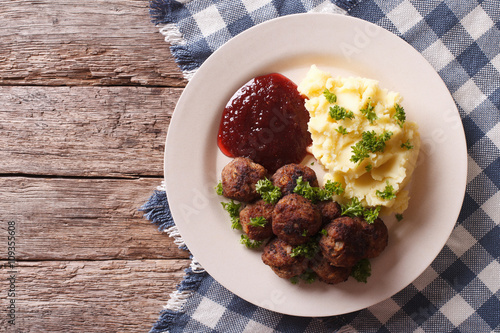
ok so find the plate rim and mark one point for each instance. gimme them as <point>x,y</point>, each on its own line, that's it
<point>461,176</point>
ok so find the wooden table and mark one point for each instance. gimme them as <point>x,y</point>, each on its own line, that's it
<point>87,90</point>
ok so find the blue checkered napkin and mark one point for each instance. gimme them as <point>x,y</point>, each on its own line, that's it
<point>460,290</point>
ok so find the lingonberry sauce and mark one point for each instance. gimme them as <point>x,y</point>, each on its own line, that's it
<point>266,121</point>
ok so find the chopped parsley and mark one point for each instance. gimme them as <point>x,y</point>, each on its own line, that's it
<point>268,192</point>
<point>354,209</point>
<point>407,145</point>
<point>308,250</point>
<point>316,194</point>
<point>399,217</point>
<point>400,115</point>
<point>338,113</point>
<point>342,130</point>
<point>233,209</point>
<point>305,189</point>
<point>332,188</point>
<point>330,97</point>
<point>218,188</point>
<point>388,193</point>
<point>369,112</point>
<point>259,221</point>
<point>309,276</point>
<point>371,214</point>
<point>370,143</point>
<point>368,167</point>
<point>250,243</point>
<point>362,270</point>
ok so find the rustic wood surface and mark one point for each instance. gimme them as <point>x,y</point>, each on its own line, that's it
<point>87,90</point>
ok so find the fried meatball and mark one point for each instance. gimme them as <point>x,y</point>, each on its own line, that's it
<point>329,210</point>
<point>277,255</point>
<point>377,237</point>
<point>239,178</point>
<point>345,242</point>
<point>286,177</point>
<point>328,273</point>
<point>256,210</point>
<point>295,219</point>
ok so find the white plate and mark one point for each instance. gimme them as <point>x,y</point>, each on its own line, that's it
<point>341,45</point>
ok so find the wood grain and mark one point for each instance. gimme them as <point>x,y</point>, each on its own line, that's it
<point>82,219</point>
<point>84,131</point>
<point>92,42</point>
<point>90,296</point>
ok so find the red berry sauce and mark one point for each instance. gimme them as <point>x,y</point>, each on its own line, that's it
<point>266,121</point>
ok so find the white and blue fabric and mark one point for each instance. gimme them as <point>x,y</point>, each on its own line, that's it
<point>460,290</point>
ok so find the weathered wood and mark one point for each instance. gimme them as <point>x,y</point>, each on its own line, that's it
<point>89,296</point>
<point>92,42</point>
<point>80,219</point>
<point>84,131</point>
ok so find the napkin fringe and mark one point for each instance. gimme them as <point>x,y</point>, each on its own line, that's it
<point>175,305</point>
<point>157,211</point>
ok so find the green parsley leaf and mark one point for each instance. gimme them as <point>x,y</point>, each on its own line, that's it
<point>218,188</point>
<point>342,130</point>
<point>400,115</point>
<point>315,194</point>
<point>368,167</point>
<point>233,209</point>
<point>250,243</point>
<point>308,250</point>
<point>407,145</point>
<point>305,189</point>
<point>388,193</point>
<point>370,143</point>
<point>323,232</point>
<point>369,112</point>
<point>370,215</point>
<point>399,217</point>
<point>258,221</point>
<point>332,188</point>
<point>362,270</point>
<point>330,97</point>
<point>353,208</point>
<point>338,113</point>
<point>268,192</point>
<point>309,276</point>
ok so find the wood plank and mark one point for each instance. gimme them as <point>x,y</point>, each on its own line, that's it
<point>92,42</point>
<point>80,219</point>
<point>84,131</point>
<point>89,296</point>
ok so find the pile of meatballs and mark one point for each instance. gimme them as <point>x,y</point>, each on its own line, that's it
<point>294,220</point>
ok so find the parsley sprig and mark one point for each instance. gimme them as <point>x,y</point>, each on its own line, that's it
<point>316,194</point>
<point>259,221</point>
<point>330,97</point>
<point>250,243</point>
<point>369,112</point>
<point>354,208</point>
<point>338,112</point>
<point>387,193</point>
<point>362,270</point>
<point>233,209</point>
<point>400,115</point>
<point>308,250</point>
<point>407,145</point>
<point>370,143</point>
<point>268,192</point>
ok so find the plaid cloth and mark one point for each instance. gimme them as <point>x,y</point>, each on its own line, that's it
<point>459,291</point>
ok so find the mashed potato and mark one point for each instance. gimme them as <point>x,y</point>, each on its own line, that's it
<point>361,137</point>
